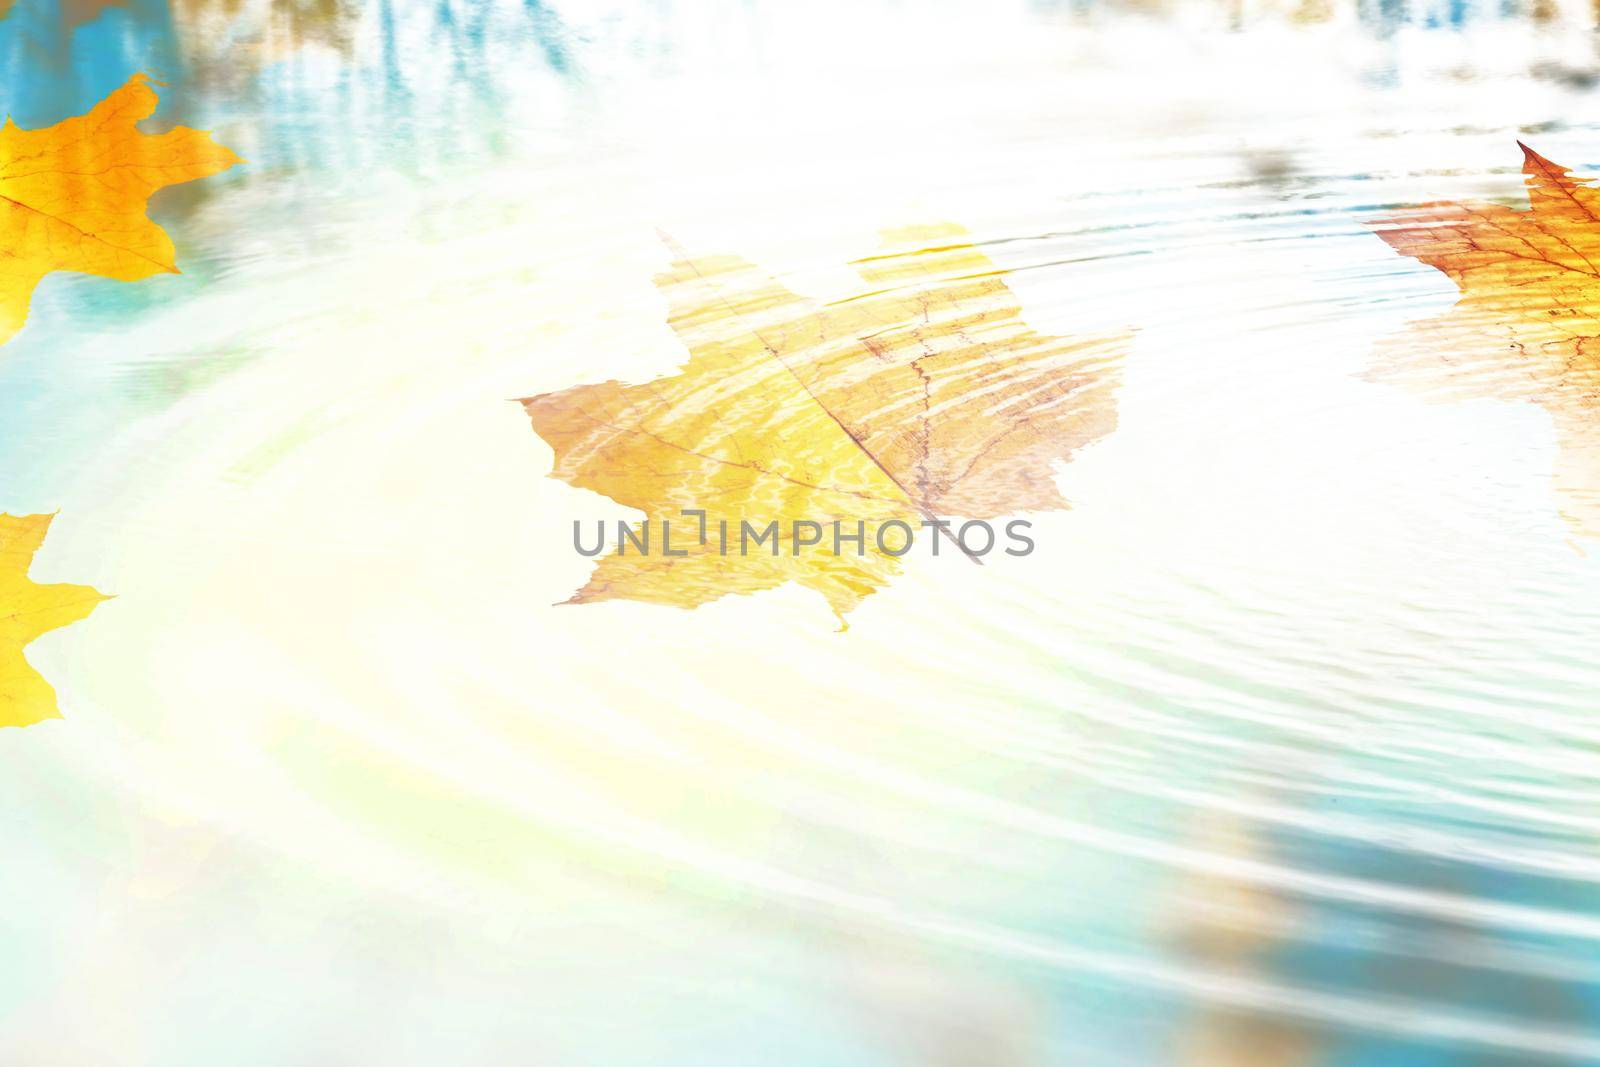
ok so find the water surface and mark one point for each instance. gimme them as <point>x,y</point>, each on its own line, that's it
<point>1279,750</point>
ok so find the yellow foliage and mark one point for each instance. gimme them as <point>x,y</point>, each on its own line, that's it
<point>73,195</point>
<point>925,396</point>
<point>28,610</point>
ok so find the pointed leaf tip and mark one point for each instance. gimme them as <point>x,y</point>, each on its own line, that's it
<point>677,250</point>
<point>1533,162</point>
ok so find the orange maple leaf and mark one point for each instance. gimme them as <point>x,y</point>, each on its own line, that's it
<point>1527,324</point>
<point>73,195</point>
<point>924,397</point>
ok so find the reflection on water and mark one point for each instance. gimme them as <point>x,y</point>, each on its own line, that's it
<point>1279,751</point>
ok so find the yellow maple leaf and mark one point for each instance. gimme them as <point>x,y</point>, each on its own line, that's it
<point>73,195</point>
<point>925,397</point>
<point>28,610</point>
<point>1527,324</point>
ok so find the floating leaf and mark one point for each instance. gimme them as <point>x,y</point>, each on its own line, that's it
<point>926,396</point>
<point>1527,324</point>
<point>73,195</point>
<point>28,610</point>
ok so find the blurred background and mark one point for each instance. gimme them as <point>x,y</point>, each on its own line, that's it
<point>1280,751</point>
